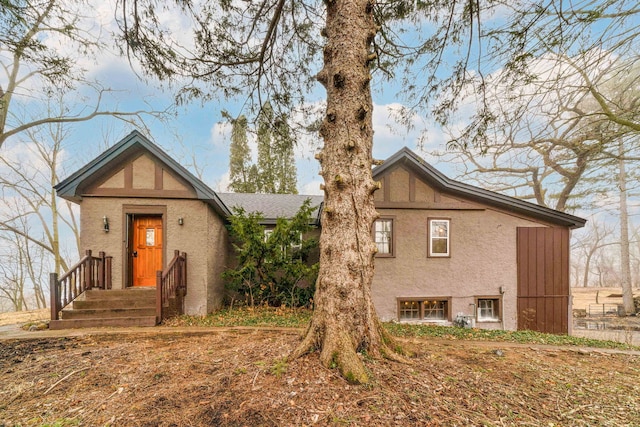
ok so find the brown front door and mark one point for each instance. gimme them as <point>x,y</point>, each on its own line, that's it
<point>147,247</point>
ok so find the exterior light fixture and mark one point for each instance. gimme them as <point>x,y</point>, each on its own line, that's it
<point>180,221</point>
<point>105,224</point>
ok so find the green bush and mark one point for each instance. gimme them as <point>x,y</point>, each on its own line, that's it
<point>273,269</point>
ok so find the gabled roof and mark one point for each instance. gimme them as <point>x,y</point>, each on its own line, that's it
<point>272,206</point>
<point>439,181</point>
<point>135,142</point>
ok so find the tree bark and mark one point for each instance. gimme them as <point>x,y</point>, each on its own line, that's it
<point>625,262</point>
<point>344,320</point>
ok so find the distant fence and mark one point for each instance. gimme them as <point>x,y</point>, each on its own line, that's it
<point>600,310</point>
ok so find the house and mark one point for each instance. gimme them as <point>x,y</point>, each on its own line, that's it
<point>447,248</point>
<point>443,247</point>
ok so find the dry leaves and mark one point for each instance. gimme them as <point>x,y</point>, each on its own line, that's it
<point>241,378</point>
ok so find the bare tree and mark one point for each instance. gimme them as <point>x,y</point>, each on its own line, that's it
<point>44,89</point>
<point>635,256</point>
<point>34,222</point>
<point>565,142</point>
<point>41,42</point>
<point>586,246</point>
<point>23,270</point>
<point>29,173</point>
<point>588,32</point>
<point>625,242</point>
<point>552,138</point>
<point>13,281</point>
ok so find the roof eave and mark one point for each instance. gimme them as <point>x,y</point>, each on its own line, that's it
<point>68,188</point>
<point>450,186</point>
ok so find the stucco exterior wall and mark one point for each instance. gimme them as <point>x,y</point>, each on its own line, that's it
<point>483,251</point>
<point>483,259</point>
<point>202,236</point>
<point>218,260</point>
<point>483,233</point>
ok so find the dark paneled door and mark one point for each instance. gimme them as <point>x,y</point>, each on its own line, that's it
<point>543,279</point>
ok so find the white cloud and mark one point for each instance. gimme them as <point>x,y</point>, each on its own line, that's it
<point>307,143</point>
<point>311,188</point>
<point>392,131</point>
<point>220,134</point>
<point>222,183</point>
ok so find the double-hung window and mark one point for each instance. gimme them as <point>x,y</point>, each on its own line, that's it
<point>383,236</point>
<point>439,237</point>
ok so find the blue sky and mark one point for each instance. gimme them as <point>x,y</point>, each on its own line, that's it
<point>197,131</point>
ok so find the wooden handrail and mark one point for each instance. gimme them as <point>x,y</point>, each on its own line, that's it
<point>172,282</point>
<point>90,272</point>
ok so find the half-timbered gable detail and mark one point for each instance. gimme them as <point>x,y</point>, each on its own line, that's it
<point>142,176</point>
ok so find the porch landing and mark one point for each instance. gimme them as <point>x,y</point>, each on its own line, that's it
<point>117,308</point>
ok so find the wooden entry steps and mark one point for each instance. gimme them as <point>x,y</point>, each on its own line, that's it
<point>103,308</point>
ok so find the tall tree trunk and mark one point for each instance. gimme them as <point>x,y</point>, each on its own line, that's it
<point>625,262</point>
<point>344,320</point>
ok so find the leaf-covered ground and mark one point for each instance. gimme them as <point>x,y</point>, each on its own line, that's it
<point>240,377</point>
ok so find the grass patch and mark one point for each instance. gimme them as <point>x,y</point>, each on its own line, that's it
<point>248,316</point>
<point>524,337</point>
<point>300,317</point>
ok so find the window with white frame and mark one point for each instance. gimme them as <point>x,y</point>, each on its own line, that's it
<point>439,237</point>
<point>383,236</point>
<point>296,241</point>
<point>488,309</point>
<point>436,309</point>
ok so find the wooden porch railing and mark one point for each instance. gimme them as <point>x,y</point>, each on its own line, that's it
<point>172,282</point>
<point>90,272</point>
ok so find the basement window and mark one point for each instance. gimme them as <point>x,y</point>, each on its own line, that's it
<point>488,309</point>
<point>426,309</point>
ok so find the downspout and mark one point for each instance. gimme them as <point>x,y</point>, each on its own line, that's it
<point>502,291</point>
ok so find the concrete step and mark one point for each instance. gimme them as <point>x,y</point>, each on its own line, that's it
<point>101,313</point>
<point>106,322</point>
<point>110,308</point>
<point>96,304</point>
<point>117,294</point>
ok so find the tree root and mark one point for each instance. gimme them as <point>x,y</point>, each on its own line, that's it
<point>307,345</point>
<point>338,350</point>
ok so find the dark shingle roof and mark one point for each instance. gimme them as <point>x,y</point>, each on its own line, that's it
<point>439,181</point>
<point>272,206</point>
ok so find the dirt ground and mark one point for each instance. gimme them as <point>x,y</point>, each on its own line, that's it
<point>240,377</point>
